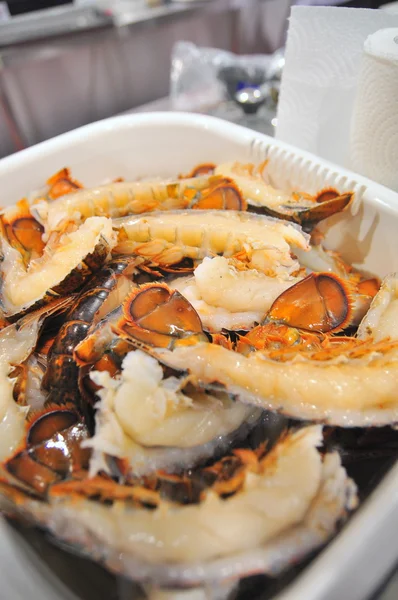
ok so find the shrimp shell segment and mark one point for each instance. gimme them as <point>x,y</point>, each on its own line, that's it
<point>126,198</point>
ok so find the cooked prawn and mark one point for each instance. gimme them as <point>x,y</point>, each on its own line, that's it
<point>124,198</point>
<point>267,244</point>
<point>286,504</point>
<point>353,385</point>
<point>60,269</point>
<point>16,343</point>
<point>264,198</point>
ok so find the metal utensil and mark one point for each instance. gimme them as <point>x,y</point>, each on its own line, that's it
<point>251,98</point>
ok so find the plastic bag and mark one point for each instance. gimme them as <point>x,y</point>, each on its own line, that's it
<point>203,78</point>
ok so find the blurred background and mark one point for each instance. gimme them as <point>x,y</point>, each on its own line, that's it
<point>64,64</point>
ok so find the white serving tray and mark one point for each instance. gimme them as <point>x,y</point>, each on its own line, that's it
<point>166,144</point>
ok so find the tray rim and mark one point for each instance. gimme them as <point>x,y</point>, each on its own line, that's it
<point>195,121</point>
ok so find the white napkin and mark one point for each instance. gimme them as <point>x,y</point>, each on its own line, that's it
<point>323,56</point>
<point>374,124</point>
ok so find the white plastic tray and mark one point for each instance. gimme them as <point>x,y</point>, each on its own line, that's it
<point>166,144</point>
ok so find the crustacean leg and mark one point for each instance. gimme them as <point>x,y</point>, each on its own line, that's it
<point>158,256</point>
<point>369,287</point>
<point>277,338</point>
<point>265,244</point>
<point>101,293</point>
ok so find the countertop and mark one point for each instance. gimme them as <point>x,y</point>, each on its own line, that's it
<point>76,23</point>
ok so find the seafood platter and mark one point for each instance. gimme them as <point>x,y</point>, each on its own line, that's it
<point>199,360</point>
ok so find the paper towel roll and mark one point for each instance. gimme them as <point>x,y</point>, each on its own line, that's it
<point>374,123</point>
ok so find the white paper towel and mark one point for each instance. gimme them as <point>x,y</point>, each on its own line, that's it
<point>323,56</point>
<point>374,124</point>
